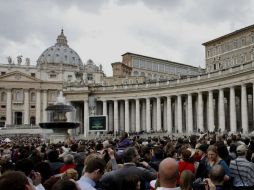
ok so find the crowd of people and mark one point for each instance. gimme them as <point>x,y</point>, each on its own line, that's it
<point>206,161</point>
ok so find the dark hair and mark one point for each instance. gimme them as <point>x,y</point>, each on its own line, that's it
<point>64,184</point>
<point>130,182</point>
<point>94,164</point>
<point>129,154</point>
<point>53,156</point>
<point>13,180</point>
<point>25,165</point>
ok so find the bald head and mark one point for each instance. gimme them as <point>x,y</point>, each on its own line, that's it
<point>168,172</point>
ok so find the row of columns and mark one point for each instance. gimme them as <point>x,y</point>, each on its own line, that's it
<point>26,107</point>
<point>130,114</point>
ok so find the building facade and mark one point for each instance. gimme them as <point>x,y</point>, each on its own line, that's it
<point>219,100</point>
<point>27,89</point>
<point>230,50</point>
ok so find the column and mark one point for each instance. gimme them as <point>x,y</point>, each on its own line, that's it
<point>169,115</point>
<point>116,129</point>
<point>133,115</point>
<point>158,123</point>
<point>232,110</point>
<point>137,115</point>
<point>121,114</point>
<point>210,111</point>
<point>189,126</point>
<point>38,107</point>
<point>26,107</point>
<point>45,104</point>
<point>143,115</point>
<point>200,112</point>
<point>221,110</point>
<point>126,116</point>
<point>110,116</point>
<point>104,111</point>
<point>164,114</point>
<point>8,107</point>
<point>104,107</point>
<point>154,115</point>
<point>179,114</point>
<point>148,115</point>
<point>86,118</point>
<point>244,109</point>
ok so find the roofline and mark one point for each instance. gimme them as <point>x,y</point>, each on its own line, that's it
<point>160,59</point>
<point>230,34</point>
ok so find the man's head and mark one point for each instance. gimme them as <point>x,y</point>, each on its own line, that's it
<point>131,155</point>
<point>241,150</point>
<point>68,159</point>
<point>15,180</point>
<point>168,172</point>
<point>95,168</point>
<point>217,174</point>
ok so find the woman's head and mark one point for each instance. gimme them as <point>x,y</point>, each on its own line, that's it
<point>186,180</point>
<point>212,153</point>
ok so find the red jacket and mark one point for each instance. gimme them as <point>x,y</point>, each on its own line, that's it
<point>66,167</point>
<point>183,165</point>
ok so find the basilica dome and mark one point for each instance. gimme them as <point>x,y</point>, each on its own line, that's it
<point>60,53</point>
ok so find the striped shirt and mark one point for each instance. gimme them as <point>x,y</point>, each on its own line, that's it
<point>245,169</point>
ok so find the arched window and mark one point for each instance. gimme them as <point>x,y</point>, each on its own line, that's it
<point>3,97</point>
<point>33,99</point>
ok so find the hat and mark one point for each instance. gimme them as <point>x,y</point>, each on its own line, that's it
<point>241,149</point>
<point>203,147</point>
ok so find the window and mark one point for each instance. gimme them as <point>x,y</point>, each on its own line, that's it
<point>32,107</point>
<point>3,73</point>
<point>89,76</point>
<point>3,106</point>
<point>3,97</point>
<point>69,77</point>
<point>243,41</point>
<point>33,97</point>
<point>52,76</point>
<point>32,74</point>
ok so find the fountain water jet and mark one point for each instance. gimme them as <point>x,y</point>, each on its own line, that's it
<point>58,122</point>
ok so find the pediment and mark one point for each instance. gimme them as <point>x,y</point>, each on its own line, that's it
<point>18,76</point>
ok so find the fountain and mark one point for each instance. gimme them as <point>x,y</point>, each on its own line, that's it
<point>58,122</point>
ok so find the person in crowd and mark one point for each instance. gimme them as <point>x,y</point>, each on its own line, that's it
<point>201,170</point>
<point>167,175</point>
<point>131,182</point>
<point>131,157</point>
<point>186,180</point>
<point>27,166</point>
<point>15,180</point>
<point>214,159</point>
<point>242,170</point>
<point>54,162</point>
<point>124,141</point>
<point>157,158</point>
<point>68,163</point>
<point>94,170</point>
<point>185,163</point>
<point>65,184</point>
<point>216,178</point>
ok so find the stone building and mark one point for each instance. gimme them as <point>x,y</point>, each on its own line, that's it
<point>230,50</point>
<point>27,89</point>
<point>220,99</point>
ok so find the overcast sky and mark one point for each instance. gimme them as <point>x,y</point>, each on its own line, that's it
<point>103,30</point>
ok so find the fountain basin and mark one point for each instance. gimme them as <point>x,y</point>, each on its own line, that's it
<point>59,125</point>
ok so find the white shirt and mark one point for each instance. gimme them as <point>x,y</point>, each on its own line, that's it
<point>165,188</point>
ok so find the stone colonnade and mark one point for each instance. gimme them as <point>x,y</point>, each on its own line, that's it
<point>220,109</point>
